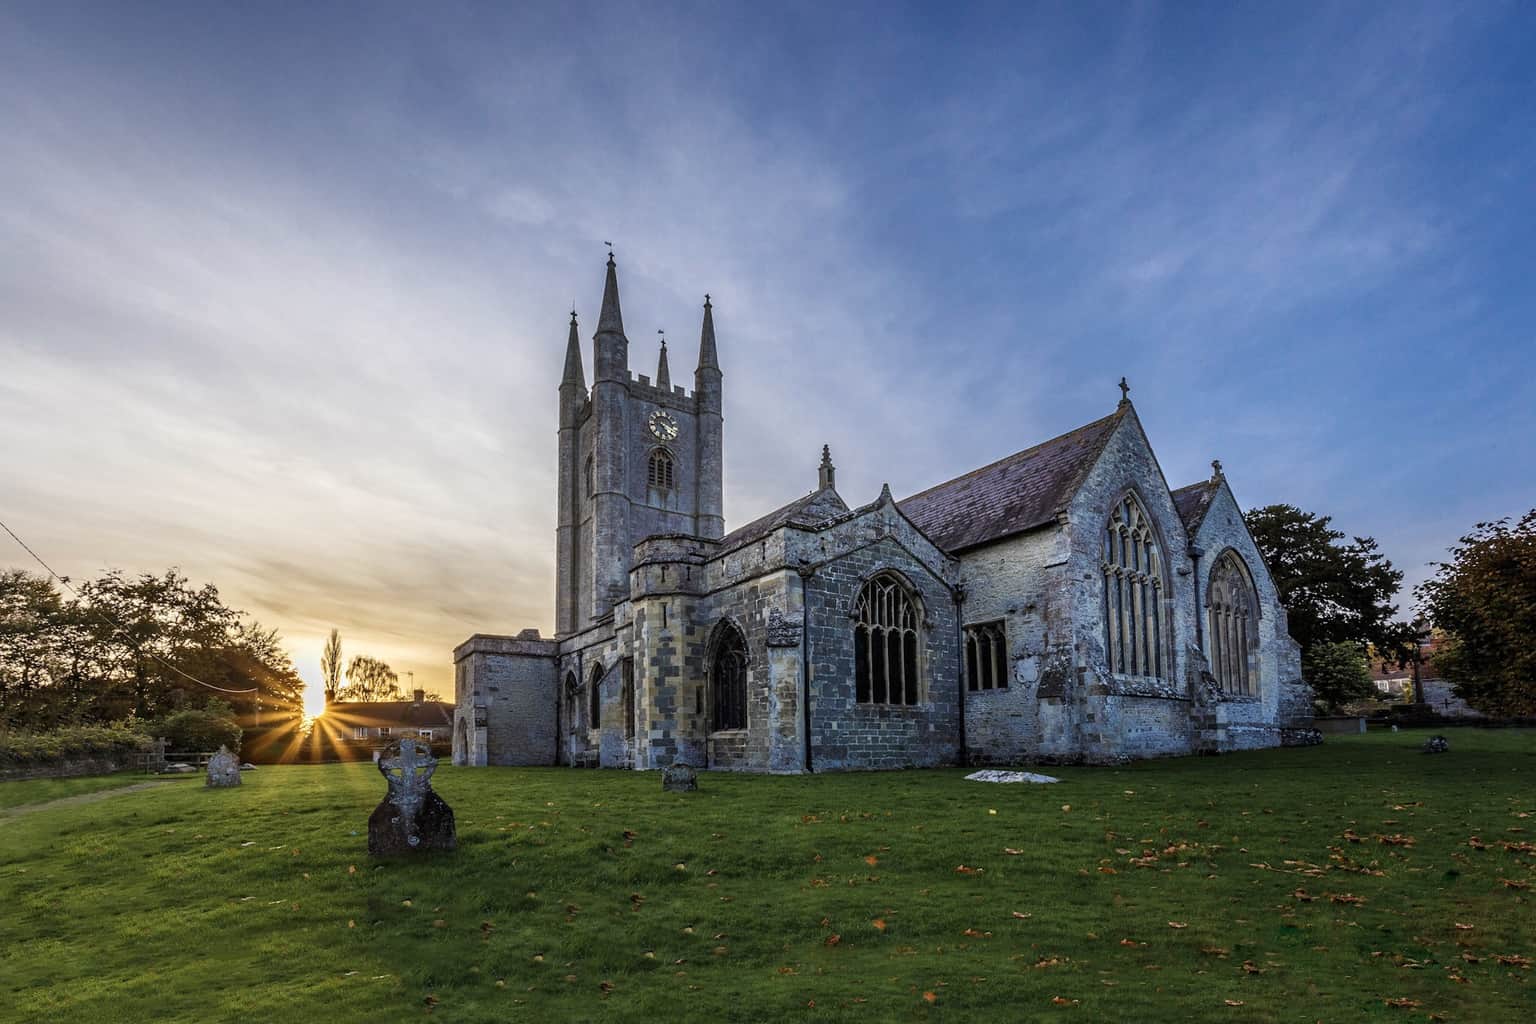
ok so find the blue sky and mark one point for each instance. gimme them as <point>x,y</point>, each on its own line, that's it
<point>284,290</point>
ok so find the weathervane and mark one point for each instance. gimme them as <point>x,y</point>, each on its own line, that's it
<point>663,334</point>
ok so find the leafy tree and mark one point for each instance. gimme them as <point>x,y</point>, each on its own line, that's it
<point>369,679</point>
<point>202,730</point>
<point>1338,672</point>
<point>1332,592</point>
<point>330,664</point>
<point>1484,601</point>
<point>150,623</point>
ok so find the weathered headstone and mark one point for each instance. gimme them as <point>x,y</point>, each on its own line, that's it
<point>223,769</point>
<point>679,778</point>
<point>1436,745</point>
<point>412,817</point>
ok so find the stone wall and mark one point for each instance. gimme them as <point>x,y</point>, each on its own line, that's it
<point>1013,582</point>
<point>845,734</point>
<point>69,768</point>
<point>510,684</point>
<point>1135,724</point>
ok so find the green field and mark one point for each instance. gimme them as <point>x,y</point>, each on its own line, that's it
<point>1312,884</point>
<point>24,794</point>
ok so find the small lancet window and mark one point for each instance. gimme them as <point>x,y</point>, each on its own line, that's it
<point>595,699</point>
<point>885,629</point>
<point>986,656</point>
<point>1136,634</point>
<point>589,478</point>
<point>658,470</point>
<point>1232,611</point>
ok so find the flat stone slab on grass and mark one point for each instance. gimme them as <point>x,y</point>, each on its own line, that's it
<point>993,775</point>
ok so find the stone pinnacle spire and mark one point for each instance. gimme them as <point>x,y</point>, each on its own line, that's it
<point>663,375</point>
<point>573,373</point>
<point>827,475</point>
<point>610,320</point>
<point>707,358</point>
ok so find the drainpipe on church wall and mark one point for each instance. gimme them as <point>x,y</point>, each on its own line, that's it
<point>959,595</point>
<point>805,665</point>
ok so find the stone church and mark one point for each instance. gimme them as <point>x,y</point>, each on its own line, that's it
<point>1061,604</point>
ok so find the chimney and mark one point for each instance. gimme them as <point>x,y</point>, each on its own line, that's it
<point>421,696</point>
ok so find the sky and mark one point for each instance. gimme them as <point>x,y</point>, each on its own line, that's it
<point>284,288</point>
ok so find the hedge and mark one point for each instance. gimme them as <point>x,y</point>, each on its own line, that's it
<point>25,748</point>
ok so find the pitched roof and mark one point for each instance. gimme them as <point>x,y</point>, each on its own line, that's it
<point>1024,491</point>
<point>812,510</point>
<point>404,714</point>
<point>1194,501</point>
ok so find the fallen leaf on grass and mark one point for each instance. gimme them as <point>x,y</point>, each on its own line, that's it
<point>930,998</point>
<point>871,860</point>
<point>1022,915</point>
<point>1131,942</point>
<point>1213,951</point>
<point>1177,924</point>
<point>1402,1004</point>
<point>974,934</point>
<point>1062,1001</point>
<point>1464,927</point>
<point>1010,851</point>
<point>1233,1002</point>
<point>1513,960</point>
<point>965,870</point>
<point>833,940</point>
<point>1344,897</point>
<point>879,924</point>
<point>1514,883</point>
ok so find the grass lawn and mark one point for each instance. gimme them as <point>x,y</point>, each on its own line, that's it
<point>19,794</point>
<point>1313,884</point>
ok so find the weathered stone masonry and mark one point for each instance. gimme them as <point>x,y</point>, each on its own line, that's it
<point>653,597</point>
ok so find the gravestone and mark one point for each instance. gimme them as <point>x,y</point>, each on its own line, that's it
<point>1436,745</point>
<point>411,818</point>
<point>679,778</point>
<point>223,769</point>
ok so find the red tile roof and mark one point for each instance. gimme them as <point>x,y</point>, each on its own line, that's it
<point>1024,491</point>
<point>395,714</point>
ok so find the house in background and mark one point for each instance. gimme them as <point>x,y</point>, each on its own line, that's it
<point>387,720</point>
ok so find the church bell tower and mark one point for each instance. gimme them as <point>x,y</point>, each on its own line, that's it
<point>638,457</point>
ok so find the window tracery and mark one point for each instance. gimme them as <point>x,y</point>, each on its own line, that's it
<point>1232,634</point>
<point>1136,633</point>
<point>885,642</point>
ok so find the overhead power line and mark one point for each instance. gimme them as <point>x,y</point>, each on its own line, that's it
<point>111,620</point>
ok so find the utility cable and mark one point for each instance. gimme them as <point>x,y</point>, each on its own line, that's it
<point>63,582</point>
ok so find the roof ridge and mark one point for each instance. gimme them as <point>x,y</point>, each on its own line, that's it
<point>1016,455</point>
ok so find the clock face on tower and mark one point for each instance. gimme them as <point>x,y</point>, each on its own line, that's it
<point>663,426</point>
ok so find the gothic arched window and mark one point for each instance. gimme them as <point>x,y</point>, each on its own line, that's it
<point>1232,641</point>
<point>658,469</point>
<point>629,698</point>
<point>728,678</point>
<point>571,707</point>
<point>886,618</point>
<point>1136,633</point>
<point>595,699</point>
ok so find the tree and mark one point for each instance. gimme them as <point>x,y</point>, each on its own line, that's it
<point>1484,601</point>
<point>330,664</point>
<point>369,679</point>
<point>1338,672</point>
<point>1332,592</point>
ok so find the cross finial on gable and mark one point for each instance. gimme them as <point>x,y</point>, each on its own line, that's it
<point>1216,473</point>
<point>1125,391</point>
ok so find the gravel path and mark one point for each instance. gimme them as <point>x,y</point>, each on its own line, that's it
<point>82,798</point>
